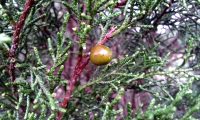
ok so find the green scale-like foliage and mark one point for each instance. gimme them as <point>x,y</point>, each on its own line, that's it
<point>48,43</point>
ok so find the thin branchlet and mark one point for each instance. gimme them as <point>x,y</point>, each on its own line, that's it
<point>16,37</point>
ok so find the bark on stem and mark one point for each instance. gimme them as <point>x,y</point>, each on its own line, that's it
<point>16,38</point>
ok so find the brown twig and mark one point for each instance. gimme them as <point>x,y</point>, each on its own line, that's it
<point>16,38</point>
<point>107,36</point>
<point>81,64</point>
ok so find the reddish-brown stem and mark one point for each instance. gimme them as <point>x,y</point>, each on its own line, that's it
<point>107,36</point>
<point>16,38</point>
<point>81,64</point>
